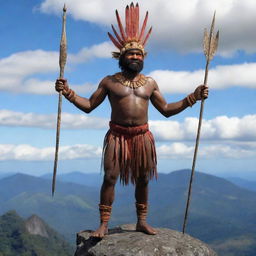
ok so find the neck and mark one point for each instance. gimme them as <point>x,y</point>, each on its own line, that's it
<point>129,75</point>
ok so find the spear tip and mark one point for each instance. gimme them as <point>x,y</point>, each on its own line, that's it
<point>64,8</point>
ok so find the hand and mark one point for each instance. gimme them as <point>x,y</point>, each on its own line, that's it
<point>61,85</point>
<point>201,92</point>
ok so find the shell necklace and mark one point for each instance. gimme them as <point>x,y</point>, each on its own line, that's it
<point>128,83</point>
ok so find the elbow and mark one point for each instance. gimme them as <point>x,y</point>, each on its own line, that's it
<point>166,113</point>
<point>87,110</point>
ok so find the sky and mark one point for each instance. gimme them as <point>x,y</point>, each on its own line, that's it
<point>29,50</point>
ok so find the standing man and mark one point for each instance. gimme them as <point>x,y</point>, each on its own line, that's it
<point>129,147</point>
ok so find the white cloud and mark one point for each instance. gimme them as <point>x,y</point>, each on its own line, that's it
<point>175,150</point>
<point>17,70</point>
<point>216,151</point>
<point>48,121</point>
<point>219,128</point>
<point>31,63</point>
<point>29,153</point>
<point>176,24</point>
<point>220,77</point>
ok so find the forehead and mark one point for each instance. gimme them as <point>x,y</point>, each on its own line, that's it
<point>133,51</point>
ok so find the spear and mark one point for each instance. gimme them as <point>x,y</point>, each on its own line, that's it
<point>210,44</point>
<point>62,62</point>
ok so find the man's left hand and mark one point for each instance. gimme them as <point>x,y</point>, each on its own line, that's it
<point>201,92</point>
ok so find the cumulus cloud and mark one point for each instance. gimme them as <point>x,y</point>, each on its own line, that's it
<point>17,70</point>
<point>216,151</point>
<point>176,24</point>
<point>37,62</point>
<point>48,121</point>
<point>29,153</point>
<point>175,150</point>
<point>221,77</point>
<point>219,128</point>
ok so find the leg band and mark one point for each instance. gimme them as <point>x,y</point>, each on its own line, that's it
<point>142,210</point>
<point>105,212</point>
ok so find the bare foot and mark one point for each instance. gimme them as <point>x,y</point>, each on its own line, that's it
<point>101,231</point>
<point>144,227</point>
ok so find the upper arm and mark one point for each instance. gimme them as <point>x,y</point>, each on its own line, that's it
<point>158,100</point>
<point>87,105</point>
<point>99,95</point>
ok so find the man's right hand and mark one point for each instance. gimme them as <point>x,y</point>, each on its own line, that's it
<point>61,85</point>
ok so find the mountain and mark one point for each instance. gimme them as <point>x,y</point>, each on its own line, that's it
<point>30,237</point>
<point>251,185</point>
<point>87,179</point>
<point>72,204</point>
<point>221,213</point>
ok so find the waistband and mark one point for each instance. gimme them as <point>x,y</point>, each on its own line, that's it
<point>128,130</point>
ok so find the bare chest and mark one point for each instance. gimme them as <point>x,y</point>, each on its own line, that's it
<point>119,91</point>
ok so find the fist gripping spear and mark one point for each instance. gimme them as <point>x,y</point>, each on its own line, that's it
<point>129,147</point>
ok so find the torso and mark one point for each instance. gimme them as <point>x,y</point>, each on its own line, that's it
<point>129,105</point>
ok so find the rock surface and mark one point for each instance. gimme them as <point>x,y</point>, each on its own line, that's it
<point>125,241</point>
<point>36,226</point>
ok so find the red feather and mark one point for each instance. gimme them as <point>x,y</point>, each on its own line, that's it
<point>120,26</point>
<point>143,27</point>
<point>117,36</point>
<point>147,36</point>
<point>118,45</point>
<point>132,20</point>
<point>137,19</point>
<point>127,21</point>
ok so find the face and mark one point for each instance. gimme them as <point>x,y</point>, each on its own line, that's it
<point>132,61</point>
<point>134,54</point>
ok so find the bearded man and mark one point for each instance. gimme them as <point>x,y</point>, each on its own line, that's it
<point>129,147</point>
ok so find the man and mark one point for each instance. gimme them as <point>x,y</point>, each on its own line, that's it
<point>129,148</point>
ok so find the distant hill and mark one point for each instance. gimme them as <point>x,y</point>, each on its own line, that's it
<point>251,185</point>
<point>30,237</point>
<point>221,213</point>
<point>72,207</point>
<point>87,179</point>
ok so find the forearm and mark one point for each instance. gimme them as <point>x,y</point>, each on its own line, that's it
<point>82,103</point>
<point>175,107</point>
<point>85,104</point>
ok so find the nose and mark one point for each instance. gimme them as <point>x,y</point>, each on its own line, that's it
<point>135,56</point>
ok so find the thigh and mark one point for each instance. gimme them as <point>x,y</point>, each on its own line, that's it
<point>111,159</point>
<point>149,156</point>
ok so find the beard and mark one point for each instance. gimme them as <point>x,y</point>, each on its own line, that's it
<point>131,66</point>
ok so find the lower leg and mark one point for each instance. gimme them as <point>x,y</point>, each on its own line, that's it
<point>141,195</point>
<point>106,200</point>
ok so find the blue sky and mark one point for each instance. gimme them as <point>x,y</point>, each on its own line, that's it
<point>30,35</point>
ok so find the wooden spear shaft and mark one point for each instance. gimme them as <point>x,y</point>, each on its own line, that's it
<point>62,62</point>
<point>210,47</point>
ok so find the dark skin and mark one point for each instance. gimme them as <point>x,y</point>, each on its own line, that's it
<point>129,107</point>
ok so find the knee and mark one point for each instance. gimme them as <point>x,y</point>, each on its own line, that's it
<point>142,181</point>
<point>110,179</point>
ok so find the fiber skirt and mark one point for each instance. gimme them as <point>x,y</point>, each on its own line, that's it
<point>131,150</point>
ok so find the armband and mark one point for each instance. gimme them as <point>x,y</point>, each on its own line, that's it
<point>70,95</point>
<point>191,99</point>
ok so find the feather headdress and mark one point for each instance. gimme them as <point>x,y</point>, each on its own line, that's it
<point>131,37</point>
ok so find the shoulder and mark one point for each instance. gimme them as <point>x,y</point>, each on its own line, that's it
<point>151,81</point>
<point>106,81</point>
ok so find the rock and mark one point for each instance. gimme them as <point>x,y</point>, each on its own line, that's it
<point>125,241</point>
<point>35,226</point>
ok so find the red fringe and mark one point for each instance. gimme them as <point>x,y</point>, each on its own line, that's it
<point>134,150</point>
